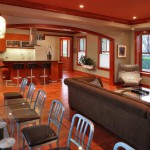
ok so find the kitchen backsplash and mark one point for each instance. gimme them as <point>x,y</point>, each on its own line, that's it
<point>18,54</point>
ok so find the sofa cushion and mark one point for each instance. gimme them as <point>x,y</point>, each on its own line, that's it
<point>96,82</point>
<point>91,81</point>
<point>87,83</point>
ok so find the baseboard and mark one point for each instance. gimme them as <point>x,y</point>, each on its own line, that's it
<point>88,74</point>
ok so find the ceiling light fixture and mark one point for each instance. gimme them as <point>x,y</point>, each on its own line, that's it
<point>134,17</point>
<point>2,27</point>
<point>81,6</point>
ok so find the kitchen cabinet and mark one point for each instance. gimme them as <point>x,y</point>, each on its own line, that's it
<point>2,45</point>
<point>19,37</point>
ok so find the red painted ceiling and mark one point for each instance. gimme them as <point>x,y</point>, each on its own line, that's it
<point>111,9</point>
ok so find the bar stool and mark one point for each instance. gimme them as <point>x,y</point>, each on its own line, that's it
<point>17,67</point>
<point>45,66</point>
<point>32,66</point>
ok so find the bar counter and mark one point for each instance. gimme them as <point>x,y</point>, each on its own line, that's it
<point>54,73</point>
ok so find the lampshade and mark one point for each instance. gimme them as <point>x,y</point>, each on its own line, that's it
<point>2,27</point>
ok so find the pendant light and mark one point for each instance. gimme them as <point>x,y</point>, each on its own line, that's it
<point>2,27</point>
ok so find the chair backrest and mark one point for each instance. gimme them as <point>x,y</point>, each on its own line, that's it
<point>23,85</point>
<point>39,101</point>
<point>123,145</point>
<point>56,115</point>
<point>30,93</point>
<point>129,74</point>
<point>77,134</point>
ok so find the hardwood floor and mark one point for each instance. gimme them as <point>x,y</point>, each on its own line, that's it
<point>102,140</point>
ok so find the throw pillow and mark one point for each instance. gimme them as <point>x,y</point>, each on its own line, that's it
<point>96,82</point>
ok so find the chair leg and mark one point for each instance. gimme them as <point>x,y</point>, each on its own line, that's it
<point>50,146</point>
<point>18,136</point>
<point>23,142</point>
<point>57,143</point>
<point>11,125</point>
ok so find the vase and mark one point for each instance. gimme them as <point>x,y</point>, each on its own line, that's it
<point>89,67</point>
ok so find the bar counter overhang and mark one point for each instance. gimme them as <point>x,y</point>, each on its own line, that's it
<point>55,70</point>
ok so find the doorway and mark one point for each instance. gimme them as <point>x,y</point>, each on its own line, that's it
<point>66,53</point>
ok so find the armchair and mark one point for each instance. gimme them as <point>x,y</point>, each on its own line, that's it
<point>129,74</point>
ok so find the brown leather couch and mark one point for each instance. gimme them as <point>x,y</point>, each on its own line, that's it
<point>127,118</point>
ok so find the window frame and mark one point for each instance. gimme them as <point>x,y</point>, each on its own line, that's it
<point>78,47</point>
<point>138,50</point>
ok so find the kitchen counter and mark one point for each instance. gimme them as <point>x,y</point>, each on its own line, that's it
<point>27,60</point>
<point>54,73</point>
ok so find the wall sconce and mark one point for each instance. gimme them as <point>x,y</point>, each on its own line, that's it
<point>2,27</point>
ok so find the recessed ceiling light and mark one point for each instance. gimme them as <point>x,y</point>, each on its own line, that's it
<point>134,17</point>
<point>81,6</point>
<point>132,29</point>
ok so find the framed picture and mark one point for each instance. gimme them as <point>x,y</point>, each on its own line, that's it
<point>121,51</point>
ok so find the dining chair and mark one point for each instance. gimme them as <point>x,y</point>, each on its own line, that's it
<point>20,103</point>
<point>20,94</point>
<point>5,143</point>
<point>80,127</point>
<point>28,116</point>
<point>122,145</point>
<point>46,133</point>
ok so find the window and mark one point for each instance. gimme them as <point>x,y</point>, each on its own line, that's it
<point>81,47</point>
<point>145,53</point>
<point>104,53</point>
<point>64,52</point>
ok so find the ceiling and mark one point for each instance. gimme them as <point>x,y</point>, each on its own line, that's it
<point>121,11</point>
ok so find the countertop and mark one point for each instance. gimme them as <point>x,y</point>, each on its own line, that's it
<point>27,60</point>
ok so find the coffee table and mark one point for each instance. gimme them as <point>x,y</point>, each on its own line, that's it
<point>141,94</point>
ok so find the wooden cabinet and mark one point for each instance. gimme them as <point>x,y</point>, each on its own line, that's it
<point>2,45</point>
<point>10,37</point>
<point>16,40</point>
<point>20,37</point>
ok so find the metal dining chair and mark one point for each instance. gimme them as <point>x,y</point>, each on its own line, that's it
<point>78,132</point>
<point>20,103</point>
<point>20,94</point>
<point>28,116</point>
<point>122,145</point>
<point>46,134</point>
<point>5,143</point>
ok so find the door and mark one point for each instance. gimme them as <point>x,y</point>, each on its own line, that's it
<point>66,53</point>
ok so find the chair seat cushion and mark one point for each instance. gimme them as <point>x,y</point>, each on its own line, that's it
<point>16,101</point>
<point>39,134</point>
<point>12,95</point>
<point>23,115</point>
<point>19,106</point>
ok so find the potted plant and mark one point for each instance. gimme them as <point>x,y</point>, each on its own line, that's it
<point>87,62</point>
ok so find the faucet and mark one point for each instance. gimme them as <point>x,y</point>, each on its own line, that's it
<point>22,56</point>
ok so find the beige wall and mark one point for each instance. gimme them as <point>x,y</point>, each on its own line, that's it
<point>42,50</point>
<point>121,37</point>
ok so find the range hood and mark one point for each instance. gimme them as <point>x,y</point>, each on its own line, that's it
<point>33,38</point>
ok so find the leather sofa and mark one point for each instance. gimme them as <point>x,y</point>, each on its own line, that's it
<point>126,117</point>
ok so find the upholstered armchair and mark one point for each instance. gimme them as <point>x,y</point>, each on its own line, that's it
<point>129,75</point>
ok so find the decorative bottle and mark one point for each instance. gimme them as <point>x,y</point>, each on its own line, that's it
<point>49,55</point>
